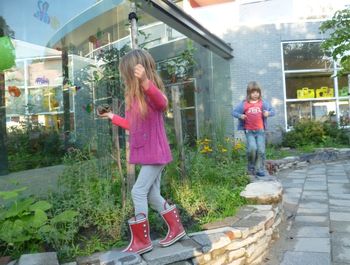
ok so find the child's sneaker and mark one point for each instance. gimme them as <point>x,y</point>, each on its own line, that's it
<point>260,174</point>
<point>265,178</point>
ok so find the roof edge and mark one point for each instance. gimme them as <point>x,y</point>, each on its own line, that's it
<point>175,17</point>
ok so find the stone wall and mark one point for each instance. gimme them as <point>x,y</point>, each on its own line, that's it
<point>320,155</point>
<point>242,239</point>
<point>238,240</point>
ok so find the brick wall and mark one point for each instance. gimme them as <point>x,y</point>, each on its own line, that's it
<point>257,56</point>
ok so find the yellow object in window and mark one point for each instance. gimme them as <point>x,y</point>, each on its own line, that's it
<point>324,92</point>
<point>305,92</point>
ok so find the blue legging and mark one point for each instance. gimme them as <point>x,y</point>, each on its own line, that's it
<point>256,150</point>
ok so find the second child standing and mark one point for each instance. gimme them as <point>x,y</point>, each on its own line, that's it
<point>252,114</point>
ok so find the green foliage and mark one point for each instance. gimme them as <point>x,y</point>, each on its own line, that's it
<point>212,189</point>
<point>321,134</point>
<point>98,203</point>
<point>338,41</point>
<point>33,146</point>
<point>25,224</point>
<point>275,152</point>
<point>180,67</point>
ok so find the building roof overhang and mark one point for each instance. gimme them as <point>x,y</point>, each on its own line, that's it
<point>175,17</point>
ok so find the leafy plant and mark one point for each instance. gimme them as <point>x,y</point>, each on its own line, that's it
<point>180,67</point>
<point>316,133</point>
<point>33,146</point>
<point>97,200</point>
<point>338,41</point>
<point>26,223</point>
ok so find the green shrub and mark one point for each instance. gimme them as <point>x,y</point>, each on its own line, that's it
<point>212,186</point>
<point>25,224</point>
<point>320,134</point>
<point>33,146</point>
<point>101,218</point>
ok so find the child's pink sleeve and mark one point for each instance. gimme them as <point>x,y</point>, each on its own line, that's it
<point>121,122</point>
<point>156,96</point>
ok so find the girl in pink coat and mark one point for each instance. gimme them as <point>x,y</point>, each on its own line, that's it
<point>149,147</point>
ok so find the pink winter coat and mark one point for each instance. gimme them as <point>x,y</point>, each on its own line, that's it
<point>148,141</point>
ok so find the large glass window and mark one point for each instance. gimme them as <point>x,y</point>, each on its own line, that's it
<point>304,55</point>
<point>66,65</point>
<point>312,88</point>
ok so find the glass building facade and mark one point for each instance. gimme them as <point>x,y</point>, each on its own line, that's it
<point>67,55</point>
<point>313,89</point>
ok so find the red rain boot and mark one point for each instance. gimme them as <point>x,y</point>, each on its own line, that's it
<point>140,240</point>
<point>175,229</point>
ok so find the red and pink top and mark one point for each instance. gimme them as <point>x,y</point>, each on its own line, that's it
<point>148,141</point>
<point>254,113</point>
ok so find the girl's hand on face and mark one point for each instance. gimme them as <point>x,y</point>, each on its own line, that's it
<point>140,74</point>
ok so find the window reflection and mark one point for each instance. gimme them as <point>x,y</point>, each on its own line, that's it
<point>315,110</point>
<point>306,55</point>
<point>309,81</point>
<point>94,37</point>
<point>344,113</point>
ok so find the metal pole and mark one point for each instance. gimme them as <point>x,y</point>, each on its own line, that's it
<point>133,33</point>
<point>3,134</point>
<point>348,118</point>
<point>133,26</point>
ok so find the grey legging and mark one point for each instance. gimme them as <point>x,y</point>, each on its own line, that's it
<point>147,189</point>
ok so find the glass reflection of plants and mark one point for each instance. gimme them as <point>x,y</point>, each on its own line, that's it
<point>33,146</point>
<point>180,67</point>
<point>305,56</point>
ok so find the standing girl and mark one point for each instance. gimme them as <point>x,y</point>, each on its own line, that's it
<point>252,114</point>
<point>149,147</point>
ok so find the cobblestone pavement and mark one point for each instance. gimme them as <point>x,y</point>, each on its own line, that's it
<point>317,208</point>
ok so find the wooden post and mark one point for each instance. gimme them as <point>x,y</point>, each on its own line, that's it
<point>175,95</point>
<point>116,153</point>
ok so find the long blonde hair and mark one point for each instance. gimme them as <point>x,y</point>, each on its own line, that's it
<point>251,87</point>
<point>134,91</point>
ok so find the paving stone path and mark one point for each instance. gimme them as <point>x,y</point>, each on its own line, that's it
<point>317,207</point>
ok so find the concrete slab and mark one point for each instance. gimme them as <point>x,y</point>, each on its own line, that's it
<point>47,258</point>
<point>310,231</point>
<point>338,226</point>
<point>339,202</point>
<point>341,239</point>
<point>308,244</point>
<point>342,180</point>
<point>337,216</point>
<point>339,209</point>
<point>314,193</point>
<point>309,258</point>
<point>309,182</point>
<point>314,205</point>
<point>341,254</point>
<point>306,219</point>
<point>179,251</point>
<point>315,187</point>
<point>312,211</point>
<point>340,196</point>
